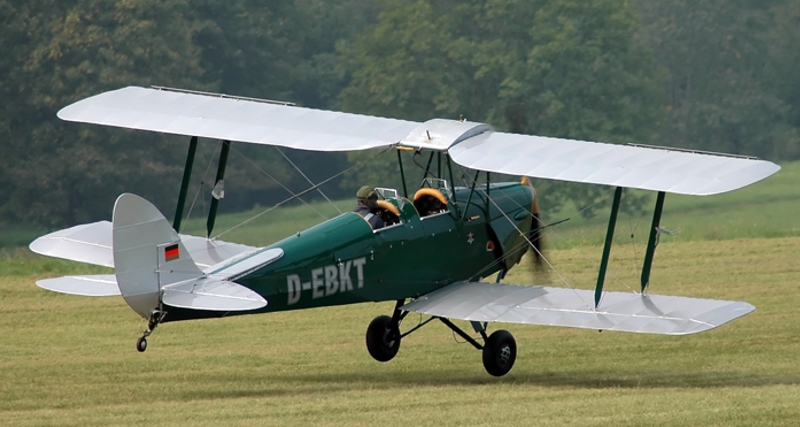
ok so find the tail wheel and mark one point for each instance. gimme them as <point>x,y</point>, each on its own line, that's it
<point>141,344</point>
<point>499,353</point>
<point>383,339</point>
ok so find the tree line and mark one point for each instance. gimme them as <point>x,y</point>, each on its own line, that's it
<point>706,74</point>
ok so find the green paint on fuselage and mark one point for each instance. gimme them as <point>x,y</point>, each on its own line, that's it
<point>343,261</point>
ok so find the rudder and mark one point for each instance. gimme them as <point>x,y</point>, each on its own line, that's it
<point>148,254</point>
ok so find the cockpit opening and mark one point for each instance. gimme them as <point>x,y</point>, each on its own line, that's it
<point>432,197</point>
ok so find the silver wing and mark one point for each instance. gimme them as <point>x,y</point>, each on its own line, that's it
<point>618,311</point>
<point>231,119</point>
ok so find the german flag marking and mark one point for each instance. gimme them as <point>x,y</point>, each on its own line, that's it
<point>172,252</point>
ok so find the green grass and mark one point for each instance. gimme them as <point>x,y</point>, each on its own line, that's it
<point>69,360</point>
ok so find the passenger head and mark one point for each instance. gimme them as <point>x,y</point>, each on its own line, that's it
<point>367,196</point>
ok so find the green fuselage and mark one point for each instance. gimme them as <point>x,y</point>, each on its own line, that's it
<point>343,261</point>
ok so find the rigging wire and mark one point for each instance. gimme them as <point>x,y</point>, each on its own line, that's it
<point>300,194</point>
<point>307,178</point>
<point>200,189</point>
<point>545,225</point>
<point>255,165</point>
<point>527,239</point>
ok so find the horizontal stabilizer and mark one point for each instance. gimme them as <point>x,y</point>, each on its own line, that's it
<point>618,311</point>
<point>244,263</point>
<point>101,285</point>
<point>91,243</point>
<point>207,253</point>
<point>213,295</point>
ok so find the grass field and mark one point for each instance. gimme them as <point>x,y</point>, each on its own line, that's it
<point>71,361</point>
<point>68,360</point>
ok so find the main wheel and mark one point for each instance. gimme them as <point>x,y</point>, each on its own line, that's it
<point>141,344</point>
<point>383,339</point>
<point>499,353</point>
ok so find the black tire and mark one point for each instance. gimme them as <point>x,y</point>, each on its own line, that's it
<point>499,353</point>
<point>141,344</point>
<point>383,339</point>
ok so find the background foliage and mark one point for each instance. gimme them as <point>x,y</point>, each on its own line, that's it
<point>708,74</point>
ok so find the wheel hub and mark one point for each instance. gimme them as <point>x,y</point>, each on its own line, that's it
<point>389,338</point>
<point>505,354</point>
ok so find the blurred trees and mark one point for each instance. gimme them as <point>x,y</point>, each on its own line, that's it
<point>706,74</point>
<point>729,65</point>
<point>61,51</point>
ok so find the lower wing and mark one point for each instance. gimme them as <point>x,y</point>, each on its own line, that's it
<point>618,311</point>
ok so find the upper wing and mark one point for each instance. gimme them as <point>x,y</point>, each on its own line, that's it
<point>236,119</point>
<point>646,168</point>
<point>470,144</point>
<point>618,311</point>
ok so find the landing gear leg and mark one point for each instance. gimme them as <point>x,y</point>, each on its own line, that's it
<point>156,316</point>
<point>499,349</point>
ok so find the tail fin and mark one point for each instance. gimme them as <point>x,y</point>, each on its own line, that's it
<point>153,266</point>
<point>148,254</point>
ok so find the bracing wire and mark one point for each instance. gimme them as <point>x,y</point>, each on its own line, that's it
<point>268,175</point>
<point>300,194</point>
<point>532,246</point>
<point>200,188</point>
<point>307,178</point>
<point>545,225</point>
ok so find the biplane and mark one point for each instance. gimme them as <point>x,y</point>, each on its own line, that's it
<point>440,243</point>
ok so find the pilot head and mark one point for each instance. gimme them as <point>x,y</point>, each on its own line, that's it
<point>367,196</point>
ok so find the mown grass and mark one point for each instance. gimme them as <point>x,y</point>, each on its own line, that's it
<point>69,360</point>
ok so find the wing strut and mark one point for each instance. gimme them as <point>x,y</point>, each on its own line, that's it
<point>402,173</point>
<point>218,191</point>
<point>612,222</point>
<point>187,174</point>
<point>652,241</point>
